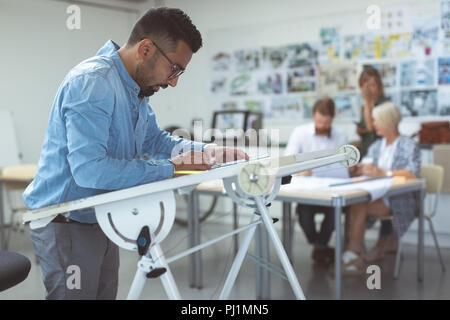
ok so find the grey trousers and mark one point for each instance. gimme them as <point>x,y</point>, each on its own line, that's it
<point>77,260</point>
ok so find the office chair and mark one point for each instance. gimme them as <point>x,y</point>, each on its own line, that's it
<point>433,175</point>
<point>14,268</point>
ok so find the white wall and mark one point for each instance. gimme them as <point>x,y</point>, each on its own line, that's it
<point>234,24</point>
<point>36,52</point>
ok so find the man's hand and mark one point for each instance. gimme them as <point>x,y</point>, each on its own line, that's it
<point>191,161</point>
<point>219,155</point>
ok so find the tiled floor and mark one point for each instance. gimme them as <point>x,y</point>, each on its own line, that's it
<point>316,282</point>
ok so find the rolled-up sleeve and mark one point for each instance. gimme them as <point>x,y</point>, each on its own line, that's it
<point>86,109</point>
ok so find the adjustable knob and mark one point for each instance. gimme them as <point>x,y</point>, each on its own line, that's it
<point>254,179</point>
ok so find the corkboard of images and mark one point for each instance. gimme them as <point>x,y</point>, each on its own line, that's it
<point>284,82</point>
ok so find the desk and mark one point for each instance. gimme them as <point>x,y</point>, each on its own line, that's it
<point>328,198</point>
<point>13,178</point>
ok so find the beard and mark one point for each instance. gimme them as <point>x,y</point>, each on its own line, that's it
<point>323,132</point>
<point>142,78</point>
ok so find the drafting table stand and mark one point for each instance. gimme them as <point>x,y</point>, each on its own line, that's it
<point>139,218</point>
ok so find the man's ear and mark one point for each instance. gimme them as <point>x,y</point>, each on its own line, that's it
<point>145,49</point>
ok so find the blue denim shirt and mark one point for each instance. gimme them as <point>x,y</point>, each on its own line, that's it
<point>98,137</point>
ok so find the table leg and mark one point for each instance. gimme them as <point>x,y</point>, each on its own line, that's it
<point>235,226</point>
<point>287,229</point>
<point>191,239</point>
<point>197,240</point>
<point>420,242</point>
<point>2,220</point>
<point>338,203</point>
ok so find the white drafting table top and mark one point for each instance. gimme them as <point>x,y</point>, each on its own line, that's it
<point>283,166</point>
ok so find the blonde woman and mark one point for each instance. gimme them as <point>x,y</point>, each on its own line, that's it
<point>392,155</point>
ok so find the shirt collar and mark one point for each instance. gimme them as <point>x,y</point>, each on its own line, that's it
<point>329,134</point>
<point>110,49</point>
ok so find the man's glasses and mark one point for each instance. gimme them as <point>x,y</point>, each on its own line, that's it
<point>177,70</point>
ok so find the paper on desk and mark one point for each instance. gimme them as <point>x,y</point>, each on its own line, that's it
<point>377,188</point>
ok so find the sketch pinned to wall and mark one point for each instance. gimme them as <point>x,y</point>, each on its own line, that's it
<point>221,61</point>
<point>424,36</point>
<point>242,84</point>
<point>444,71</point>
<point>299,55</point>
<point>417,73</point>
<point>347,106</point>
<point>302,79</point>
<point>393,96</point>
<point>444,101</point>
<point>330,44</point>
<point>247,60</point>
<point>359,46</point>
<point>395,19</point>
<point>392,46</point>
<point>445,17</point>
<point>274,57</point>
<point>308,102</point>
<point>417,103</point>
<point>338,77</point>
<point>218,85</point>
<point>287,107</point>
<point>269,82</point>
<point>388,73</point>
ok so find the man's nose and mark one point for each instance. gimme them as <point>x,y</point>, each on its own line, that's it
<point>173,82</point>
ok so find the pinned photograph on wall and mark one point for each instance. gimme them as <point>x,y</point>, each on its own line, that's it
<point>218,85</point>
<point>286,107</point>
<point>359,46</point>
<point>247,60</point>
<point>418,103</point>
<point>269,82</point>
<point>444,101</point>
<point>302,79</point>
<point>445,17</point>
<point>274,57</point>
<point>388,73</point>
<point>393,46</point>
<point>308,102</point>
<point>230,105</point>
<point>424,36</point>
<point>392,95</point>
<point>395,19</point>
<point>221,61</point>
<point>256,107</point>
<point>299,55</point>
<point>444,71</point>
<point>338,77</point>
<point>242,84</point>
<point>330,44</point>
<point>417,73</point>
<point>347,106</point>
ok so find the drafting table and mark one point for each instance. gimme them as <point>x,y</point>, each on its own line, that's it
<point>327,198</point>
<point>139,218</point>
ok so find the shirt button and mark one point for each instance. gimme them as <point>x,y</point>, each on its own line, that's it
<point>134,108</point>
<point>135,89</point>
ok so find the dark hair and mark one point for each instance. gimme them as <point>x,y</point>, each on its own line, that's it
<point>371,72</point>
<point>324,106</point>
<point>166,25</point>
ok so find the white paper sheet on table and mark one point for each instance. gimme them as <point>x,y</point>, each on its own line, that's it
<point>377,188</point>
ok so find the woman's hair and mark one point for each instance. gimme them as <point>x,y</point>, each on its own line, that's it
<point>325,107</point>
<point>370,72</point>
<point>388,114</point>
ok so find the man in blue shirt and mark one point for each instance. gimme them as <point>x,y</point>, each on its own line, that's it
<point>102,135</point>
